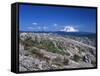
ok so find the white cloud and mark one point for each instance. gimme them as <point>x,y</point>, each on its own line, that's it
<point>70,29</point>
<point>38,27</point>
<point>30,28</point>
<point>55,24</point>
<point>44,27</point>
<point>34,23</point>
<point>34,28</point>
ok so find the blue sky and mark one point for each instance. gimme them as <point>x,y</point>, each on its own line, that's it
<point>48,18</point>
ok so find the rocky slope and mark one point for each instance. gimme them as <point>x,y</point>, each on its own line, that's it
<point>46,51</point>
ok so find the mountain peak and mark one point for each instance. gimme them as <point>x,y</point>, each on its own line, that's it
<point>69,29</point>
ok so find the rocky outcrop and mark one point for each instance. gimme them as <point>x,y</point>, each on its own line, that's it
<point>39,51</point>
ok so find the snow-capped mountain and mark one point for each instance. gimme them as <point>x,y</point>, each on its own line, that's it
<point>69,29</point>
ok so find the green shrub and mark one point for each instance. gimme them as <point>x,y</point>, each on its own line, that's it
<point>76,57</point>
<point>28,41</point>
<point>68,54</point>
<point>34,50</point>
<point>93,62</point>
<point>66,61</point>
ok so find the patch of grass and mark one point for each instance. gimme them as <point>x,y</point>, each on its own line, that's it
<point>66,61</point>
<point>93,62</point>
<point>76,57</point>
<point>36,51</point>
<point>29,42</point>
<point>68,54</point>
<point>43,44</point>
<point>49,46</point>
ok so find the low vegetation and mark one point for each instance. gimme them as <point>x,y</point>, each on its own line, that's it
<point>56,53</point>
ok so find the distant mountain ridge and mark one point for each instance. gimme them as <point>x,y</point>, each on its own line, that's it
<point>66,33</point>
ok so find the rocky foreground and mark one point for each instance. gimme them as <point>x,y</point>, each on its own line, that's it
<point>46,51</point>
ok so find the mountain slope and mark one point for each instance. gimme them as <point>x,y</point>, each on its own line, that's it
<point>45,51</point>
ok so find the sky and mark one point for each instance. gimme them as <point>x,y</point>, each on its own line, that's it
<point>48,18</point>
